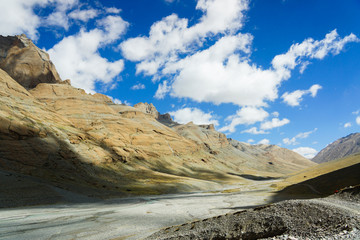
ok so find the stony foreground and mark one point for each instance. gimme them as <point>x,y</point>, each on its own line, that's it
<point>334,217</point>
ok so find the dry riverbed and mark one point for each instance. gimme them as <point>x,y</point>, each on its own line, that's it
<point>128,218</point>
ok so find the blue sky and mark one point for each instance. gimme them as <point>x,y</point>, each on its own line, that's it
<point>282,72</point>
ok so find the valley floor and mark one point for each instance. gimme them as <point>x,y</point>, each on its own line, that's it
<point>128,218</point>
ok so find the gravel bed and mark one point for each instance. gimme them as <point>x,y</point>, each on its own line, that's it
<point>334,217</point>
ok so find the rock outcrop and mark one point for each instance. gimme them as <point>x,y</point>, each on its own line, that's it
<point>340,148</point>
<point>148,109</point>
<point>25,62</point>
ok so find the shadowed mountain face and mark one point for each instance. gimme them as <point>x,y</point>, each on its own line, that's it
<point>86,143</point>
<point>25,62</point>
<point>340,148</point>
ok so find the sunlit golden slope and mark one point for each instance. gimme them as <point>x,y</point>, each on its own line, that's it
<point>324,178</point>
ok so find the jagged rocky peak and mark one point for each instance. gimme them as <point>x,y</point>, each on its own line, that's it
<point>207,126</point>
<point>147,108</point>
<point>26,63</point>
<point>340,148</point>
<point>165,117</point>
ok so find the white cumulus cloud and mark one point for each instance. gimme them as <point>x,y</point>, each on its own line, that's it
<point>246,115</point>
<point>113,10</point>
<point>138,86</point>
<point>293,140</point>
<point>222,76</point>
<point>306,152</point>
<point>264,141</point>
<point>59,17</point>
<point>194,115</point>
<point>83,15</point>
<point>311,49</point>
<point>274,123</point>
<point>77,57</point>
<point>276,114</point>
<point>17,17</point>
<point>294,98</point>
<point>162,90</point>
<point>255,131</point>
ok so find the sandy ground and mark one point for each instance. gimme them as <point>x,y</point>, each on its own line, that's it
<point>127,218</point>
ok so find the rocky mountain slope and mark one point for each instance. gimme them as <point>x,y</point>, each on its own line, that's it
<point>88,144</point>
<point>340,148</point>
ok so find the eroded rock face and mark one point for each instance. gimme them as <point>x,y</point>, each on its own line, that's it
<point>25,62</point>
<point>340,148</point>
<point>148,109</point>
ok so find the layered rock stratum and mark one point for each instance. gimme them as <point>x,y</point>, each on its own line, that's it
<point>340,148</point>
<point>86,143</point>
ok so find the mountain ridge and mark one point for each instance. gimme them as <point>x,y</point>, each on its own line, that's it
<point>340,148</point>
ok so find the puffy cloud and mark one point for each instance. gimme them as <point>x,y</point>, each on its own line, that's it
<point>77,58</point>
<point>358,120</point>
<point>162,90</point>
<point>114,28</point>
<point>264,141</point>
<point>83,15</point>
<point>306,152</point>
<point>294,98</point>
<point>246,115</point>
<point>310,48</point>
<point>29,22</point>
<point>293,140</point>
<point>172,36</point>
<point>222,76</point>
<point>194,115</point>
<point>138,86</point>
<point>303,66</point>
<point>347,125</point>
<point>60,17</point>
<point>314,89</point>
<point>255,131</point>
<point>274,123</point>
<point>17,17</point>
<point>276,114</point>
<point>113,10</point>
